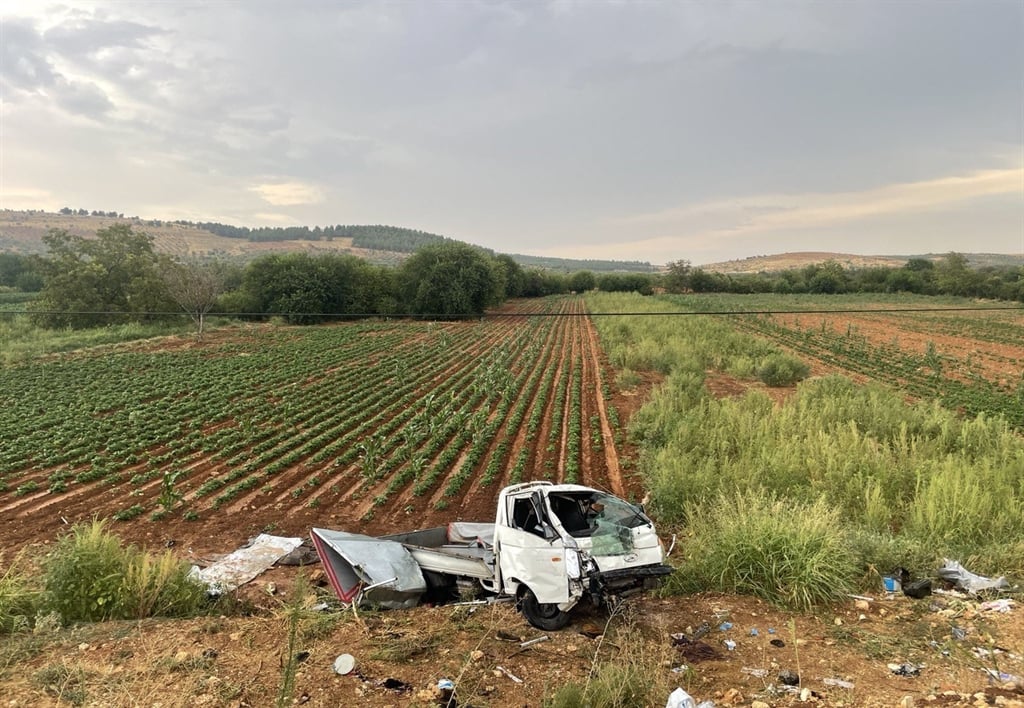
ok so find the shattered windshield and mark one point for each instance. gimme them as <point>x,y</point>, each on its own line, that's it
<point>605,519</point>
<point>620,512</point>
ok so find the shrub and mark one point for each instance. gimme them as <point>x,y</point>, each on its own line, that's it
<point>793,554</point>
<point>83,573</point>
<point>91,576</point>
<point>782,370</point>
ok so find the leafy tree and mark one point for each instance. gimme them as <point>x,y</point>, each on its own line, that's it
<point>903,280</point>
<point>307,288</point>
<point>581,281</point>
<point>677,280</point>
<point>919,265</point>
<point>625,283</point>
<point>511,274</point>
<point>21,272</point>
<point>702,281</point>
<point>827,277</point>
<point>540,283</point>
<point>954,277</point>
<point>29,281</point>
<point>89,281</point>
<point>449,279</point>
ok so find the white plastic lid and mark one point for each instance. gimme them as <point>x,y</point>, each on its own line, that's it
<point>344,664</point>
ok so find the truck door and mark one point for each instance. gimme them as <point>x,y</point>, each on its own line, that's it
<point>531,551</point>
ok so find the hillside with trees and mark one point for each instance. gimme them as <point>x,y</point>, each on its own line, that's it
<point>23,231</point>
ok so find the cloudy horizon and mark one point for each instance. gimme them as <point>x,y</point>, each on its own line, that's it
<point>653,132</point>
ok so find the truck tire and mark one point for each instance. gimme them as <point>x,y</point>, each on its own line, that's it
<point>542,615</point>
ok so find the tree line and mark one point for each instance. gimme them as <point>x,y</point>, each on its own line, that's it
<point>118,276</point>
<point>950,275</point>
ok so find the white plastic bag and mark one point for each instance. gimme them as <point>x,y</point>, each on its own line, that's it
<point>680,699</point>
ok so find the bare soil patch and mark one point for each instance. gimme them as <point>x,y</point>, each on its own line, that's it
<point>241,661</point>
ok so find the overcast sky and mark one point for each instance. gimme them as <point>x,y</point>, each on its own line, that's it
<point>647,131</point>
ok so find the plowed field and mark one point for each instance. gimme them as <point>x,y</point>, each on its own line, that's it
<point>971,361</point>
<point>371,426</point>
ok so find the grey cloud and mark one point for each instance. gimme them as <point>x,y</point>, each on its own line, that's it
<point>82,98</point>
<point>87,36</point>
<point>22,56</point>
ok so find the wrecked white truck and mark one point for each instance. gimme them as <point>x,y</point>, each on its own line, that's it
<point>550,546</point>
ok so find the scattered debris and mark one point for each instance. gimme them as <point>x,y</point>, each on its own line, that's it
<point>393,684</point>
<point>1000,605</point>
<point>965,580</point>
<point>757,673</point>
<point>445,689</point>
<point>692,650</point>
<point>305,554</point>
<point>1003,677</point>
<point>508,673</point>
<point>918,589</point>
<point>788,677</point>
<point>680,699</point>
<point>729,644</point>
<point>538,640</point>
<point>344,664</point>
<point>246,563</point>
<point>725,626</point>
<point>777,643</point>
<point>839,683</point>
<point>905,669</point>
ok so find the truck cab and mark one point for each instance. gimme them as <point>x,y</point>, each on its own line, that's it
<point>556,543</point>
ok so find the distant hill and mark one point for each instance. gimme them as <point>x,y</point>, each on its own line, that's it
<point>789,261</point>
<point>23,231</point>
<point>570,265</point>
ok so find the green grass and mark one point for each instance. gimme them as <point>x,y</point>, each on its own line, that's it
<point>20,340</point>
<point>793,554</point>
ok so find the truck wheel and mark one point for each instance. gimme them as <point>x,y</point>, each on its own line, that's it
<point>542,615</point>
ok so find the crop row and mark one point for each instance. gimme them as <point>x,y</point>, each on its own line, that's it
<point>930,374</point>
<point>365,406</point>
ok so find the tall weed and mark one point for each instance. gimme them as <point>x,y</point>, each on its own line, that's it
<point>793,554</point>
<point>19,600</point>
